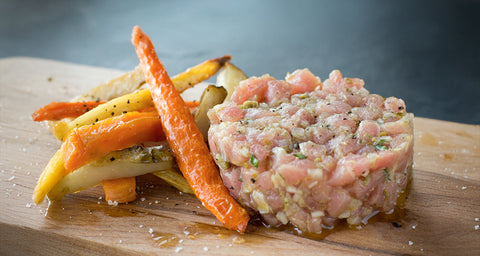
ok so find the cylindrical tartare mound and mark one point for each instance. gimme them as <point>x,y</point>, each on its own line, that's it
<point>309,153</point>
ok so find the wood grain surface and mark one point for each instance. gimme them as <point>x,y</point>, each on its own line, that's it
<point>440,217</point>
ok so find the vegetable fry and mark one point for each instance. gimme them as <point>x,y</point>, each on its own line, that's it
<point>211,96</point>
<point>172,177</point>
<point>229,78</point>
<point>115,107</point>
<point>185,139</point>
<point>121,190</point>
<point>199,73</point>
<point>60,110</point>
<point>124,84</point>
<point>128,162</point>
<point>66,109</point>
<point>131,81</point>
<point>51,175</point>
<point>89,142</point>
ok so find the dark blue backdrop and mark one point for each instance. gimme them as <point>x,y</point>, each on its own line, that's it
<point>426,52</point>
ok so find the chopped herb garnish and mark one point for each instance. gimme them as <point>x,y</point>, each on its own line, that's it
<point>240,179</point>
<point>386,174</point>
<point>380,145</point>
<point>253,161</point>
<point>300,156</point>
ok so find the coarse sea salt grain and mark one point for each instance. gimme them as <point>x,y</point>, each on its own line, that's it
<point>477,227</point>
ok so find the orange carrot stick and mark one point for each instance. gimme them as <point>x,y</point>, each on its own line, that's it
<point>120,190</point>
<point>192,104</point>
<point>86,143</point>
<point>185,139</point>
<point>60,110</point>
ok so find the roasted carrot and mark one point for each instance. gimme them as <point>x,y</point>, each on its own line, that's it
<point>59,110</point>
<point>89,142</point>
<point>185,139</point>
<point>192,104</point>
<point>120,190</point>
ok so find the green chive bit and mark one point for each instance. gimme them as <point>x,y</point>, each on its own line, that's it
<point>253,161</point>
<point>386,174</point>
<point>300,156</point>
<point>380,145</point>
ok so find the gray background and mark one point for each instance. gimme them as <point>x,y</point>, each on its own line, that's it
<point>426,52</point>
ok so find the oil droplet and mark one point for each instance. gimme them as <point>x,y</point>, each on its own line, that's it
<point>447,157</point>
<point>238,240</point>
<point>165,239</point>
<point>429,139</point>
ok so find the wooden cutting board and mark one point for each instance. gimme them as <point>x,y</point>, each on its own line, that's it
<point>441,214</point>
